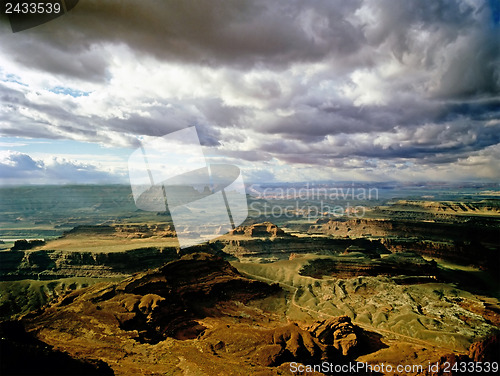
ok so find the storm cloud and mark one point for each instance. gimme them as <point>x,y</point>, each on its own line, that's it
<point>392,89</point>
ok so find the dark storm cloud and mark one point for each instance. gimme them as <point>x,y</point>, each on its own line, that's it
<point>250,34</point>
<point>435,144</point>
<point>84,64</point>
<point>310,82</point>
<point>314,123</point>
<point>217,112</point>
<point>473,67</point>
<point>233,32</point>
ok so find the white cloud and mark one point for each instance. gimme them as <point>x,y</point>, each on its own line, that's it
<point>20,168</point>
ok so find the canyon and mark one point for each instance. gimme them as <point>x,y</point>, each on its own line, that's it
<point>121,297</point>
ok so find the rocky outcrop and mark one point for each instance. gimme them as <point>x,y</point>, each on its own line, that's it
<point>171,297</point>
<point>472,230</point>
<point>355,228</point>
<point>194,313</point>
<point>165,302</point>
<point>24,244</point>
<point>265,230</point>
<point>490,207</point>
<point>358,264</point>
<point>338,332</point>
<point>51,264</point>
<point>465,253</point>
<point>282,248</point>
<point>145,230</point>
<point>487,350</point>
<point>130,231</point>
<point>334,341</point>
<point>463,243</point>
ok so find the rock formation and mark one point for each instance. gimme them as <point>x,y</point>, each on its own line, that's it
<point>336,331</point>
<point>468,231</point>
<point>265,229</point>
<point>487,350</point>
<point>54,264</point>
<point>187,314</point>
<point>464,243</point>
<point>359,264</point>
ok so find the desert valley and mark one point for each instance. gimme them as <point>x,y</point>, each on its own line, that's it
<point>109,292</point>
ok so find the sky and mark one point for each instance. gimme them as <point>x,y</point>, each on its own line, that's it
<point>288,90</point>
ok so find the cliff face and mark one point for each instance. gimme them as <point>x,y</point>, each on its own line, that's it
<point>129,231</point>
<point>266,240</point>
<point>51,264</point>
<point>488,207</point>
<point>193,314</point>
<point>466,253</point>
<point>356,228</point>
<point>265,229</point>
<point>277,247</point>
<point>467,244</point>
<point>358,264</point>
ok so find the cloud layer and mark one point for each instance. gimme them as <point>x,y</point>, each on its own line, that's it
<point>290,89</point>
<point>20,168</point>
